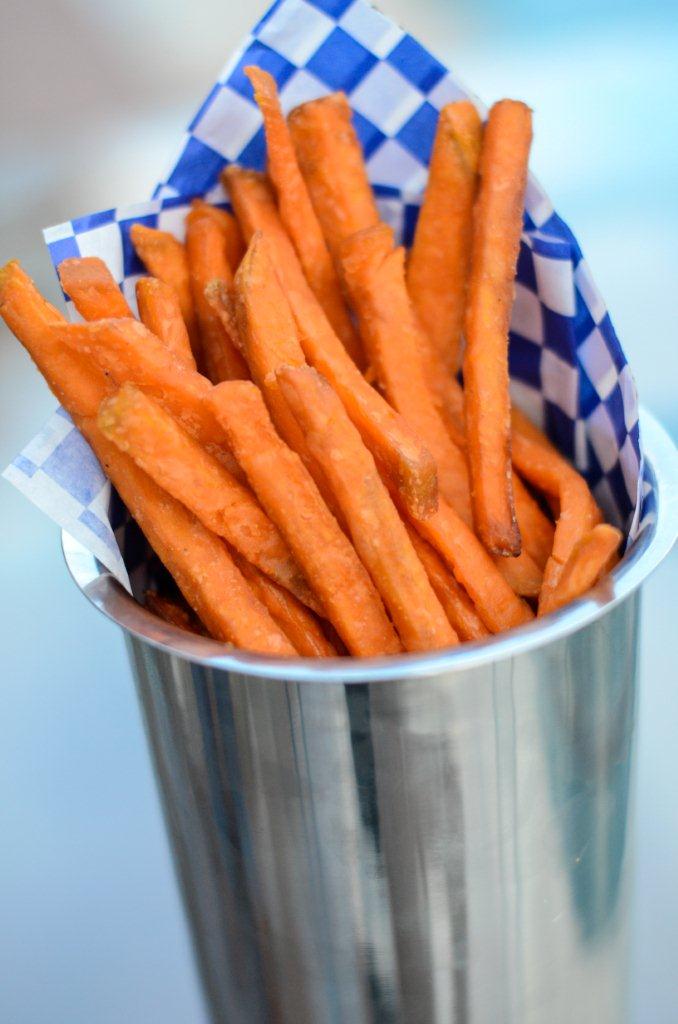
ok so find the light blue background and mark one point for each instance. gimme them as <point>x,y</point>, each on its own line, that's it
<point>91,929</point>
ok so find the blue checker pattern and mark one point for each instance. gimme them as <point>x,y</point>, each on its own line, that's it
<point>567,367</point>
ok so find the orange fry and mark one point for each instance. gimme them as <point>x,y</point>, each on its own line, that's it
<point>591,558</point>
<point>93,289</point>
<point>176,614</point>
<point>397,451</point>
<point>374,275</point>
<point>332,164</point>
<point>164,257</point>
<point>293,502</point>
<point>198,560</point>
<point>378,533</point>
<point>297,213</point>
<point>298,624</point>
<point>536,529</point>
<point>458,606</point>
<point>235,246</point>
<point>177,462</point>
<point>437,270</point>
<point>497,227</point>
<point>207,261</point>
<point>522,573</point>
<point>159,310</point>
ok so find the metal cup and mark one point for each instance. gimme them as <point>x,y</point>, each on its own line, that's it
<point>421,840</point>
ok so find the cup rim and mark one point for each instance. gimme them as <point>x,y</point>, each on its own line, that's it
<point>655,542</point>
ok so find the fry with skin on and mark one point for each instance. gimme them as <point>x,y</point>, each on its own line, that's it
<point>297,214</point>
<point>378,533</point>
<point>138,425</point>
<point>287,492</point>
<point>374,276</point>
<point>159,310</point>
<point>498,220</point>
<point>458,606</point>
<point>437,269</point>
<point>298,624</point>
<point>206,254</point>
<point>591,558</point>
<point>176,614</point>
<point>235,245</point>
<point>331,161</point>
<point>399,454</point>
<point>165,258</point>
<point>92,288</point>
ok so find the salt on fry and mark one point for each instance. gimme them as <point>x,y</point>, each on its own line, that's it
<point>159,310</point>
<point>165,258</point>
<point>92,288</point>
<point>235,245</point>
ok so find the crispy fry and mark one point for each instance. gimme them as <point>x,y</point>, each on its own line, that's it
<point>177,462</point>
<point>93,289</point>
<point>207,260</point>
<point>397,451</point>
<point>198,560</point>
<point>176,614</point>
<point>164,257</point>
<point>437,270</point>
<point>159,310</point>
<point>496,240</point>
<point>379,535</point>
<point>297,214</point>
<point>495,601</point>
<point>293,502</point>
<point>591,558</point>
<point>458,606</point>
<point>332,164</point>
<point>235,245</point>
<point>374,275</point>
<point>298,624</point>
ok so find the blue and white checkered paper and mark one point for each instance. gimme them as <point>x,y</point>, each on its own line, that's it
<point>567,368</point>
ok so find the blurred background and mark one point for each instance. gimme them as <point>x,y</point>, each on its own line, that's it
<point>95,96</point>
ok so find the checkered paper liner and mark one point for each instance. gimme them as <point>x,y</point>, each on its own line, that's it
<point>568,371</point>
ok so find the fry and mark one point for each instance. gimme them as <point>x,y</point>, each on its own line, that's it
<point>374,275</point>
<point>397,451</point>
<point>291,499</point>
<point>298,624</point>
<point>460,549</point>
<point>297,214</point>
<point>92,288</point>
<point>437,270</point>
<point>176,614</point>
<point>458,606</point>
<point>235,245</point>
<point>164,257</point>
<point>496,240</point>
<point>332,164</point>
<point>206,254</point>
<point>379,535</point>
<point>199,562</point>
<point>594,555</point>
<point>159,310</point>
<point>536,529</point>
<point>177,462</point>
<point>522,573</point>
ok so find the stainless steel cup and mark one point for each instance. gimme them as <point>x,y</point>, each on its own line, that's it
<point>422,840</point>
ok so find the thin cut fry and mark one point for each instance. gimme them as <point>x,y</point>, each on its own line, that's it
<point>207,261</point>
<point>437,270</point>
<point>374,275</point>
<point>198,560</point>
<point>397,451</point>
<point>177,462</point>
<point>159,310</point>
<point>591,558</point>
<point>297,213</point>
<point>235,245</point>
<point>93,289</point>
<point>458,606</point>
<point>332,164</point>
<point>496,241</point>
<point>298,624</point>
<point>291,499</point>
<point>176,614</point>
<point>379,535</point>
<point>164,257</point>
